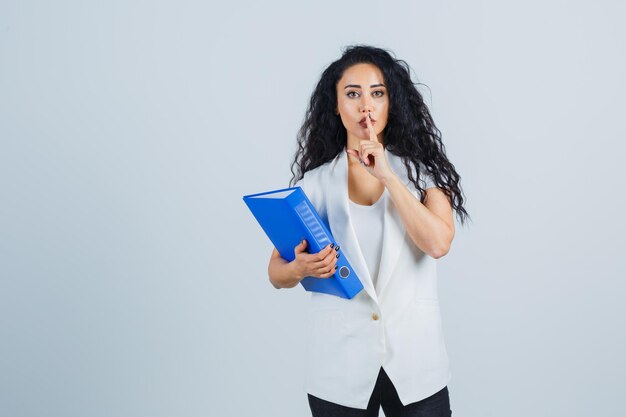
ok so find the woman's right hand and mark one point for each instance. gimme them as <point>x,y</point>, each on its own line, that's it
<point>318,265</point>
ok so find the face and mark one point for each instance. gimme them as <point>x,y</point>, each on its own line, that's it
<point>361,89</point>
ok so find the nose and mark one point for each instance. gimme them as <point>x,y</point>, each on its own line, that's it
<point>366,105</point>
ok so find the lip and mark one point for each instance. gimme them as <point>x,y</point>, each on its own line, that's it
<point>363,120</point>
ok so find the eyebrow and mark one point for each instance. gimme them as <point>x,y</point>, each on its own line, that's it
<point>358,86</point>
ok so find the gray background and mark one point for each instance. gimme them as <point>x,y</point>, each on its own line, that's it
<point>133,278</point>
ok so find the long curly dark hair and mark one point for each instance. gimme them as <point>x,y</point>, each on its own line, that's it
<point>410,132</point>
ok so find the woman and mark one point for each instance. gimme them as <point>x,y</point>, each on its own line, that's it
<point>372,163</point>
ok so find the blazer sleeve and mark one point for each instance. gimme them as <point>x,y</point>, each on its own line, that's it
<point>426,180</point>
<point>310,185</point>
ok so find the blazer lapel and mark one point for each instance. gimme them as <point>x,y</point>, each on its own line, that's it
<point>393,229</point>
<point>340,223</point>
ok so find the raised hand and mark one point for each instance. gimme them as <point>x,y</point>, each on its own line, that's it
<point>372,154</point>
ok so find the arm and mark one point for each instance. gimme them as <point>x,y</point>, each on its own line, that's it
<point>430,225</point>
<point>282,273</point>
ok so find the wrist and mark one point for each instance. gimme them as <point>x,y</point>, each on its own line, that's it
<point>389,179</point>
<point>295,271</point>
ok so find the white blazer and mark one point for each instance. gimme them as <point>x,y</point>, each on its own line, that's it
<point>396,325</point>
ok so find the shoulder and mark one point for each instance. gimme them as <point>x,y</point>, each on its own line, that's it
<point>426,179</point>
<point>316,174</point>
<point>397,164</point>
<point>315,183</point>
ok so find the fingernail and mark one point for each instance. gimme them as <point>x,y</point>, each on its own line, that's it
<point>331,245</point>
<point>337,256</point>
<point>337,248</point>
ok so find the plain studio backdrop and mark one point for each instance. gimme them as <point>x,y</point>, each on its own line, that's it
<point>134,279</point>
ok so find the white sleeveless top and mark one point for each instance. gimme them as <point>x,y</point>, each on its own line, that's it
<point>368,224</point>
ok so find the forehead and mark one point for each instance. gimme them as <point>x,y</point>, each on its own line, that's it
<point>365,73</point>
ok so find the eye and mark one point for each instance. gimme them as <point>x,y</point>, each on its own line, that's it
<point>352,92</point>
<point>379,93</point>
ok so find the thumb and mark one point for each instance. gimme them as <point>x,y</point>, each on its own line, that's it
<point>354,152</point>
<point>301,246</point>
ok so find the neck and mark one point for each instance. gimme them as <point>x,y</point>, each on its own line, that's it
<point>354,141</point>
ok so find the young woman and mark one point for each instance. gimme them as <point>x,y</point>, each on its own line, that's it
<point>372,163</point>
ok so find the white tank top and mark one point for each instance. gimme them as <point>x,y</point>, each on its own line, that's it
<point>368,222</point>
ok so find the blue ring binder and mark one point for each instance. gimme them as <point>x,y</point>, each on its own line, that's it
<point>287,216</point>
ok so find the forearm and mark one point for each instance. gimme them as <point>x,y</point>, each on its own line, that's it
<point>282,274</point>
<point>427,230</point>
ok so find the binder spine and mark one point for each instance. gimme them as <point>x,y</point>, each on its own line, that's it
<point>320,239</point>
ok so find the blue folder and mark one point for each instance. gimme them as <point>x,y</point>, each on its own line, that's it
<point>287,216</point>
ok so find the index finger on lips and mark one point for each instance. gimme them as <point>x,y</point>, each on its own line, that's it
<point>370,127</point>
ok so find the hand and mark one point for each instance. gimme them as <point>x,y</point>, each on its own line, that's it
<point>372,154</point>
<point>318,265</point>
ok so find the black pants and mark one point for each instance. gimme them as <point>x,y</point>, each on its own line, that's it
<point>385,395</point>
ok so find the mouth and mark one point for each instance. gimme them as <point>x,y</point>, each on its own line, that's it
<point>363,124</point>
<point>362,121</point>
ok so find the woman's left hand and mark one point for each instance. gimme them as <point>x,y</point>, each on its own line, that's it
<point>372,154</point>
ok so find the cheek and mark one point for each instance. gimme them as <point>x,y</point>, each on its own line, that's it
<point>344,119</point>
<point>344,106</point>
<point>386,113</point>
<point>384,120</point>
